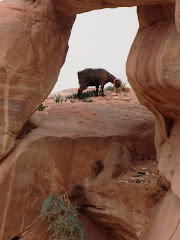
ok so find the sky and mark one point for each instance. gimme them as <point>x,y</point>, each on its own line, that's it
<point>99,39</point>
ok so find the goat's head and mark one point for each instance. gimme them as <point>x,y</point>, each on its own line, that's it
<point>117,83</point>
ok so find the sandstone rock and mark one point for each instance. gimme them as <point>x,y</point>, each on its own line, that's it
<point>144,169</point>
<point>169,159</point>
<point>113,206</point>
<point>117,161</point>
<point>116,97</point>
<point>58,155</point>
<point>125,99</point>
<point>135,169</point>
<point>39,231</point>
<point>33,46</point>
<point>164,224</point>
<point>41,30</point>
<point>158,90</point>
<point>72,6</point>
<point>153,71</point>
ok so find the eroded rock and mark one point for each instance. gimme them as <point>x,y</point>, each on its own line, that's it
<point>33,46</point>
<point>60,154</point>
<point>73,6</point>
<point>164,225</point>
<point>121,208</point>
<point>153,71</point>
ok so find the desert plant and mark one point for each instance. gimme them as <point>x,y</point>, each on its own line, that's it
<point>72,100</point>
<point>110,88</point>
<point>57,98</point>
<point>42,107</point>
<point>87,94</point>
<point>72,96</point>
<point>62,219</point>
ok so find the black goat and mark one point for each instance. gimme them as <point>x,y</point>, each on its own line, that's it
<point>94,77</point>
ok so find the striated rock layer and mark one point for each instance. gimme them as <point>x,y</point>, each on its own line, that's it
<point>74,6</point>
<point>33,47</point>
<point>153,71</point>
<point>60,153</point>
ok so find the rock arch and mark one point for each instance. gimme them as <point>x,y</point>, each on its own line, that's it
<point>33,45</point>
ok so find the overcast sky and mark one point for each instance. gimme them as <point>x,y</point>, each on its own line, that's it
<point>99,39</point>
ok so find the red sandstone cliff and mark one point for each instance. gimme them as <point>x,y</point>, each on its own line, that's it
<point>33,45</point>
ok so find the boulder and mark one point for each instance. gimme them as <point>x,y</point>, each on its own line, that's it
<point>164,225</point>
<point>59,152</point>
<point>153,72</point>
<point>33,46</point>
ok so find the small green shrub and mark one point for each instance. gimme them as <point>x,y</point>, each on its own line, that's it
<point>57,98</point>
<point>87,94</point>
<point>72,96</point>
<point>110,88</point>
<point>72,100</point>
<point>62,219</point>
<point>42,107</point>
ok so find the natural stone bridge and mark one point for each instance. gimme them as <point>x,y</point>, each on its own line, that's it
<point>33,45</point>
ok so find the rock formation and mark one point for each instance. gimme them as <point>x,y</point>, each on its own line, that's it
<point>59,152</point>
<point>153,71</point>
<point>33,45</point>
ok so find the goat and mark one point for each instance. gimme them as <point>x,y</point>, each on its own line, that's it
<point>94,77</point>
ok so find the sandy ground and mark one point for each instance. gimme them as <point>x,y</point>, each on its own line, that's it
<point>127,99</point>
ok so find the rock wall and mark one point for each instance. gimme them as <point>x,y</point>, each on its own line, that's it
<point>74,6</point>
<point>153,71</point>
<point>59,153</point>
<point>34,42</point>
<point>33,45</point>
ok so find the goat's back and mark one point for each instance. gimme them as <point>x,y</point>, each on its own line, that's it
<point>94,76</point>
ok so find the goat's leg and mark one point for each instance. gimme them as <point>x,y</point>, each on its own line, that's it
<point>102,89</point>
<point>80,90</point>
<point>97,90</point>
